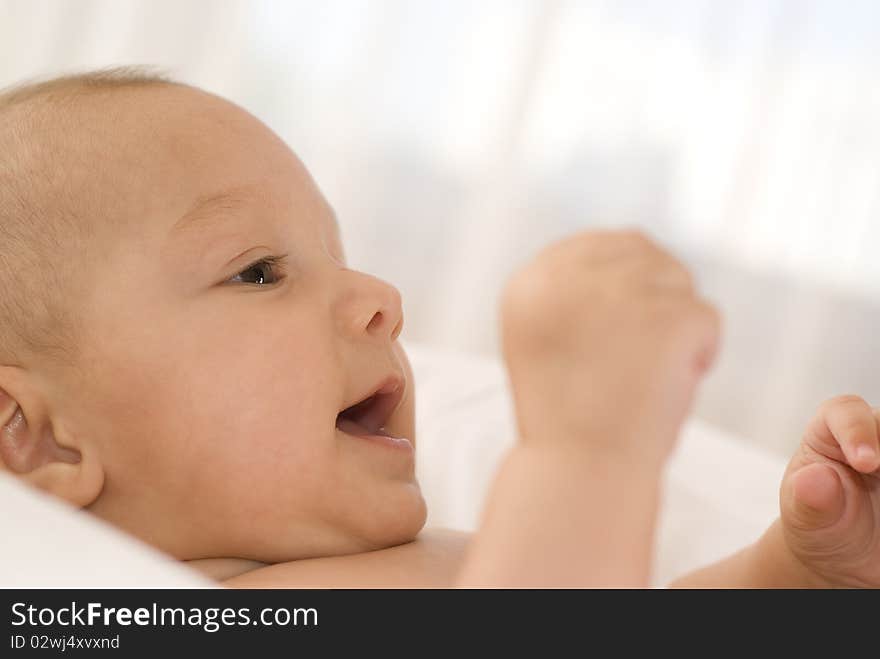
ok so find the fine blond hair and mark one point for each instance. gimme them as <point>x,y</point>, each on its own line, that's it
<point>46,214</point>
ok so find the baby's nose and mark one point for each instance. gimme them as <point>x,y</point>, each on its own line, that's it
<point>372,307</point>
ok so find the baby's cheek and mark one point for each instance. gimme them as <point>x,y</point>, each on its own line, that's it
<point>255,428</point>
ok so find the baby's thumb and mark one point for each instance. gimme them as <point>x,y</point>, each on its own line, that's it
<point>813,497</point>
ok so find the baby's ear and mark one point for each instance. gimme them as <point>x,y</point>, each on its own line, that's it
<point>30,449</point>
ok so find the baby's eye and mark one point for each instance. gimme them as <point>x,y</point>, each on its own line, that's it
<point>264,272</point>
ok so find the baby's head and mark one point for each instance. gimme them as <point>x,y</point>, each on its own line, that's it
<point>179,330</point>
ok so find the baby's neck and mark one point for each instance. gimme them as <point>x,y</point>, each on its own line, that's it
<point>220,569</point>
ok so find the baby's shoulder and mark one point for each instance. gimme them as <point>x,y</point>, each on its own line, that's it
<point>430,561</point>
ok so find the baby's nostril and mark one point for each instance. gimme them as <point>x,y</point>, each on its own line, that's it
<point>375,321</point>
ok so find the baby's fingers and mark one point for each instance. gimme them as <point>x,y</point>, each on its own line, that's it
<point>813,497</point>
<point>851,424</point>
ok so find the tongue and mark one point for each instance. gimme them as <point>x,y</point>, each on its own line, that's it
<point>353,427</point>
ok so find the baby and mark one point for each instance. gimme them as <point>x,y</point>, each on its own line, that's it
<point>185,354</point>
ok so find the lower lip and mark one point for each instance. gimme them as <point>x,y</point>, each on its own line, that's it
<point>398,443</point>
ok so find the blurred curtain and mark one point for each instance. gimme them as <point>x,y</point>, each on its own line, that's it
<point>455,138</point>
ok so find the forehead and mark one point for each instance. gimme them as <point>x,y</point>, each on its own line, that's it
<point>190,162</point>
<point>228,211</point>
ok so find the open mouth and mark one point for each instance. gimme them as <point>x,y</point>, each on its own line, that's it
<point>369,416</point>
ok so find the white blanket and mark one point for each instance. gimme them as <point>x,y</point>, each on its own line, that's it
<point>48,544</point>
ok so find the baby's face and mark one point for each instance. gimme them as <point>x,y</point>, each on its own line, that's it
<point>224,336</point>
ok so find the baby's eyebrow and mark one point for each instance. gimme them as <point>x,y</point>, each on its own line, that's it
<point>211,209</point>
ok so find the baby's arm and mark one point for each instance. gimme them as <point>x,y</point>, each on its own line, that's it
<point>767,563</point>
<point>828,533</point>
<point>605,341</point>
<point>565,518</point>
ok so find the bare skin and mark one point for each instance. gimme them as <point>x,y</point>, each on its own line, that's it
<point>432,560</point>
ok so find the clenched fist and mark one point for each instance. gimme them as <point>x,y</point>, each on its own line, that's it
<point>605,341</point>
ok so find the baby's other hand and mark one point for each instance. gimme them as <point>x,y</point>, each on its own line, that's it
<point>830,495</point>
<point>605,340</point>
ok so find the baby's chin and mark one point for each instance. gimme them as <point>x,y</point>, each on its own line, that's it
<point>396,526</point>
<point>399,527</point>
<point>222,568</point>
<point>406,528</point>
